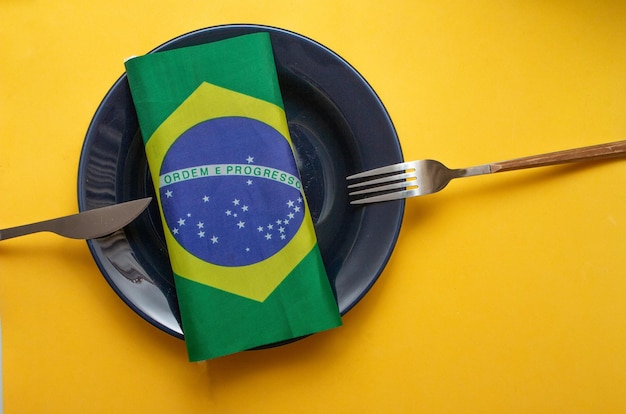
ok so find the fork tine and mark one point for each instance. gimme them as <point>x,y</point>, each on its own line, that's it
<point>383,170</point>
<point>393,186</point>
<point>396,183</point>
<point>397,195</point>
<point>382,180</point>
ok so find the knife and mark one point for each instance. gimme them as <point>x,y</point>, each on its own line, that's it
<point>88,224</point>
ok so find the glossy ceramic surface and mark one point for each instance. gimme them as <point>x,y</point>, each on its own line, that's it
<point>338,126</point>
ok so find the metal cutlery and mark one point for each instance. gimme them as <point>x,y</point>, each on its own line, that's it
<point>417,178</point>
<point>88,224</point>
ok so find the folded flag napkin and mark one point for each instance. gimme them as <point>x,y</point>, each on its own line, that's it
<point>246,263</point>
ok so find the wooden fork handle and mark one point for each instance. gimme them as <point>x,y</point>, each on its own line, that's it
<point>594,152</point>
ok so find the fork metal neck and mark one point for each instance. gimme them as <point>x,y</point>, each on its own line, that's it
<point>477,170</point>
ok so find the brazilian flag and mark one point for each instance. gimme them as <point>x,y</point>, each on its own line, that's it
<point>245,258</point>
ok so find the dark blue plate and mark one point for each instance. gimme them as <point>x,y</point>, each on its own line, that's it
<point>338,127</point>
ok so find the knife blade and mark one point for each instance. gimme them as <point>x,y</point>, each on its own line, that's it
<point>88,224</point>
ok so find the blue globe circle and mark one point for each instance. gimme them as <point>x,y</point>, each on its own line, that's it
<point>231,201</point>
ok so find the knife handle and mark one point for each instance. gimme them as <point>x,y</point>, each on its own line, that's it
<point>24,230</point>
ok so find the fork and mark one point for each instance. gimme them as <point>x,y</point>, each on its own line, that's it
<point>417,178</point>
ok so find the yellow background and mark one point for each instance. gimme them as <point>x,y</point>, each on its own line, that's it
<point>505,294</point>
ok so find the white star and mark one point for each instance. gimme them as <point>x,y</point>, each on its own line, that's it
<point>236,202</point>
<point>291,215</point>
<point>241,224</point>
<point>244,208</point>
<point>214,239</point>
<point>235,215</point>
<point>174,230</point>
<point>283,237</point>
<point>168,194</point>
<point>188,214</point>
<point>249,182</point>
<point>228,212</point>
<point>290,203</point>
<point>247,249</point>
<point>285,221</point>
<point>281,229</point>
<point>200,225</point>
<point>268,236</point>
<point>201,234</point>
<point>205,198</point>
<point>250,159</point>
<point>270,226</point>
<point>299,199</point>
<point>181,222</point>
<point>296,209</point>
<point>260,229</point>
<point>279,222</point>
